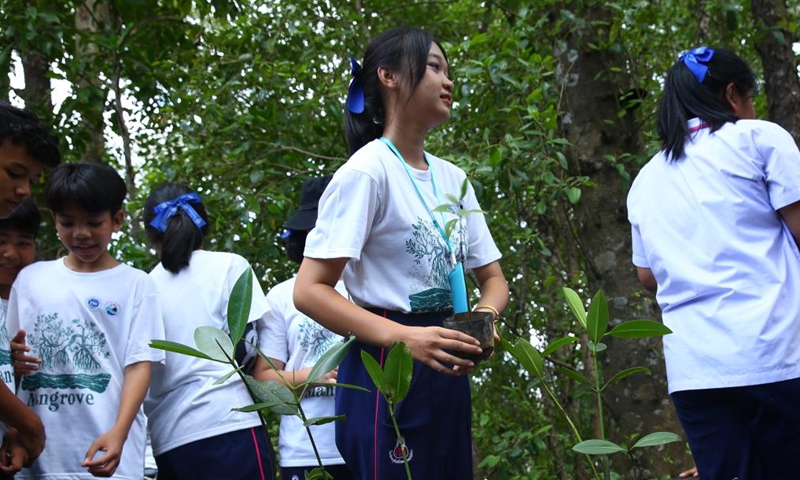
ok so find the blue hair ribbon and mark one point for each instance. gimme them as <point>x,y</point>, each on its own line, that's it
<point>355,95</point>
<point>166,210</point>
<point>696,60</point>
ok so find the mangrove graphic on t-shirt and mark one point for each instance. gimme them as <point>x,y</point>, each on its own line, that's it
<point>5,341</point>
<point>5,352</point>
<point>70,352</point>
<point>314,339</point>
<point>431,266</point>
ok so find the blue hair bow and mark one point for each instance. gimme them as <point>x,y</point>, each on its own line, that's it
<point>695,60</point>
<point>355,95</point>
<point>166,210</point>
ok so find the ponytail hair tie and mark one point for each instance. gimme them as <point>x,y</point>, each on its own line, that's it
<point>355,95</point>
<point>697,61</point>
<point>166,210</point>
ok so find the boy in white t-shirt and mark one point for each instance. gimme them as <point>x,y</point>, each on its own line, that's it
<point>17,250</point>
<point>25,149</point>
<point>89,319</point>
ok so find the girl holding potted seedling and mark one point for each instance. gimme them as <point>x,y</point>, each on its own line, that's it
<point>379,227</point>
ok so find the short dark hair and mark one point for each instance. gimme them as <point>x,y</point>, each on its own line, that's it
<point>25,219</point>
<point>23,128</point>
<point>402,49</point>
<point>94,187</point>
<point>685,97</point>
<point>182,236</point>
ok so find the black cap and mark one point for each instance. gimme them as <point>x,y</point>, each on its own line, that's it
<point>306,217</point>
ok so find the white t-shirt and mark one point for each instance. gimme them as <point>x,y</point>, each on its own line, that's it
<point>6,364</point>
<point>86,328</point>
<point>287,335</point>
<point>371,213</point>
<point>727,267</point>
<point>183,404</point>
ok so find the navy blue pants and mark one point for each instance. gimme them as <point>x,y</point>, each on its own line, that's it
<point>749,433</point>
<point>434,419</point>
<point>339,472</point>
<point>243,454</point>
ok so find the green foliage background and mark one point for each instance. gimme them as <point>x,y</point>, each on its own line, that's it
<point>243,100</point>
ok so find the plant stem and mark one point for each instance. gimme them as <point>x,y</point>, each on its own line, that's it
<point>572,425</point>
<point>599,395</point>
<point>399,438</point>
<point>308,431</point>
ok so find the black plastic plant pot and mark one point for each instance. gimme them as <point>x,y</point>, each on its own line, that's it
<point>478,325</point>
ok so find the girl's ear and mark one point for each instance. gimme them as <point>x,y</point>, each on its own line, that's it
<point>388,78</point>
<point>731,96</point>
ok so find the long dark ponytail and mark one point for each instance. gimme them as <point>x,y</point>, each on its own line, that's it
<point>401,49</point>
<point>686,97</point>
<point>181,235</point>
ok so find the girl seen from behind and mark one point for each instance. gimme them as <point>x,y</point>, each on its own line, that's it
<point>715,217</point>
<point>377,227</point>
<point>189,417</point>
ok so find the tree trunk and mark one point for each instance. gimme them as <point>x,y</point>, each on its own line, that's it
<point>592,72</point>
<point>88,18</point>
<point>781,84</point>
<point>36,93</point>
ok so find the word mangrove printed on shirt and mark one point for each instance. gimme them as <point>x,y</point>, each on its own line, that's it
<point>319,391</point>
<point>56,399</point>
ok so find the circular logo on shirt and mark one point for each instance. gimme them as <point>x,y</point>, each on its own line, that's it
<point>295,477</point>
<point>112,308</point>
<point>93,303</point>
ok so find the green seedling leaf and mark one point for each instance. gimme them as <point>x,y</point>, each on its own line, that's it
<point>347,385</point>
<point>527,356</point>
<point>598,447</point>
<point>444,208</point>
<point>317,474</point>
<point>373,369</point>
<point>322,420</point>
<point>597,318</point>
<point>639,329</point>
<point>272,392</point>
<point>657,438</point>
<point>453,199</point>
<point>239,305</point>
<point>225,377</point>
<point>597,348</point>
<point>464,185</point>
<point>625,373</point>
<point>214,342</point>
<point>558,344</point>
<point>330,360</point>
<point>575,305</point>
<point>397,372</point>
<point>257,407</point>
<point>577,377</point>
<point>176,347</point>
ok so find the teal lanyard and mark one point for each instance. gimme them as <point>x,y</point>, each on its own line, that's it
<point>421,198</point>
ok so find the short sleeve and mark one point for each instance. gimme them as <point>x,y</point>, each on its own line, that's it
<point>639,258</point>
<point>482,249</point>
<point>146,324</point>
<point>273,328</point>
<point>781,164</point>
<point>347,211</point>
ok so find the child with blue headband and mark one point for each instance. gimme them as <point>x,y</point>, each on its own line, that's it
<point>89,319</point>
<point>715,217</point>
<point>193,429</point>
<point>380,226</point>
